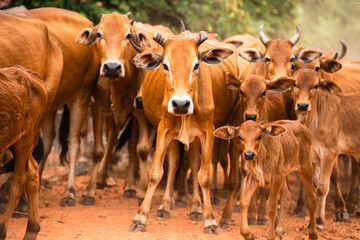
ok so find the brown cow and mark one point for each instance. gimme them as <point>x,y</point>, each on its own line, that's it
<point>22,98</point>
<point>180,98</point>
<point>332,118</point>
<point>272,151</point>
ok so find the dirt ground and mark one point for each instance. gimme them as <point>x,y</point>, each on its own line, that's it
<point>112,214</point>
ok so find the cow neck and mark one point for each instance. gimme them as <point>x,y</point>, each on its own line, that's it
<point>185,129</point>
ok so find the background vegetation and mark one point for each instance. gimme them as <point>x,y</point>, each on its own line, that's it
<point>323,22</point>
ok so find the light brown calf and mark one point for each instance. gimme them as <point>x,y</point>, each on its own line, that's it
<point>22,98</point>
<point>272,151</point>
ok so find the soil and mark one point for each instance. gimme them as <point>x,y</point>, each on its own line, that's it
<point>112,214</point>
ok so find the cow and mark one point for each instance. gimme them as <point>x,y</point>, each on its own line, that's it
<point>180,98</point>
<point>259,100</point>
<point>272,151</point>
<point>22,98</point>
<point>332,119</point>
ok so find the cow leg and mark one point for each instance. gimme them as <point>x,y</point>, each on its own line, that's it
<point>261,216</point>
<point>81,167</point>
<point>224,162</point>
<point>253,208</point>
<point>245,197</point>
<point>275,187</point>
<point>307,179</point>
<point>341,212</point>
<point>156,173</point>
<point>353,194</point>
<point>300,206</point>
<point>196,213</point>
<point>233,183</point>
<point>204,177</point>
<point>181,199</point>
<point>32,187</point>
<point>215,160</point>
<point>173,160</point>
<point>285,200</point>
<point>243,176</point>
<point>78,110</point>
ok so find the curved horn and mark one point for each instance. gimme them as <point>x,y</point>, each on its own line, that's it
<point>201,37</point>
<point>335,56</point>
<point>183,29</point>
<point>343,49</point>
<point>296,36</point>
<point>262,36</point>
<point>159,38</point>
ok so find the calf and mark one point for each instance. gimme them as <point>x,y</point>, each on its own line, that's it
<point>22,98</point>
<point>272,151</point>
<point>333,120</point>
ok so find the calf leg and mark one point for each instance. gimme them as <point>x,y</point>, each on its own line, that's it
<point>196,213</point>
<point>181,199</point>
<point>173,160</point>
<point>341,212</point>
<point>261,216</point>
<point>285,200</point>
<point>300,206</point>
<point>353,194</point>
<point>275,187</point>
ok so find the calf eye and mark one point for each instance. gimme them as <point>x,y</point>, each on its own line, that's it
<point>259,137</point>
<point>196,67</point>
<point>267,59</point>
<point>128,36</point>
<point>292,59</point>
<point>294,84</point>
<point>293,67</point>
<point>241,92</point>
<point>239,138</point>
<point>316,86</point>
<point>166,68</point>
<point>99,35</point>
<point>317,68</point>
<point>264,93</point>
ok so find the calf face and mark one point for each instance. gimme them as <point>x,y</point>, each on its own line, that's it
<point>181,63</point>
<point>307,84</point>
<point>250,135</point>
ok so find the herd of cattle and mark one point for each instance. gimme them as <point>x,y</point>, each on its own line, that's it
<point>264,106</point>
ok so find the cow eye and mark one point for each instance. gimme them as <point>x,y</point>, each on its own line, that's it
<point>239,138</point>
<point>267,59</point>
<point>99,35</point>
<point>292,59</point>
<point>316,86</point>
<point>293,67</point>
<point>241,92</point>
<point>128,36</point>
<point>264,93</point>
<point>294,84</point>
<point>259,137</point>
<point>166,68</point>
<point>317,68</point>
<point>196,67</point>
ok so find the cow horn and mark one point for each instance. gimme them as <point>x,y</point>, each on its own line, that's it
<point>183,29</point>
<point>127,15</point>
<point>296,36</point>
<point>335,56</point>
<point>262,36</point>
<point>201,37</point>
<point>159,38</point>
<point>343,49</point>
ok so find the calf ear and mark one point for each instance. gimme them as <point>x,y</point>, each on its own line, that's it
<point>215,55</point>
<point>226,132</point>
<point>330,86</point>
<point>232,82</point>
<point>280,84</point>
<point>308,55</point>
<point>330,66</point>
<point>86,36</point>
<point>251,55</point>
<point>148,60</point>
<point>272,129</point>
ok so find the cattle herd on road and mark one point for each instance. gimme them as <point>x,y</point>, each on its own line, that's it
<point>265,107</point>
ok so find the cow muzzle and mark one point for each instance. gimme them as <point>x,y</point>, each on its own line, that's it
<point>250,117</point>
<point>249,155</point>
<point>302,107</point>
<point>113,70</point>
<point>180,106</point>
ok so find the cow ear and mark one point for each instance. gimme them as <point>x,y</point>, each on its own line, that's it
<point>308,55</point>
<point>232,82</point>
<point>251,55</point>
<point>148,60</point>
<point>330,86</point>
<point>330,66</point>
<point>139,40</point>
<point>215,55</point>
<point>236,43</point>
<point>226,132</point>
<point>272,129</point>
<point>280,84</point>
<point>86,36</point>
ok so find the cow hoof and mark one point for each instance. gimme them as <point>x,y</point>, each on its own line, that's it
<point>196,216</point>
<point>319,228</point>
<point>140,201</point>
<point>87,200</point>
<point>261,222</point>
<point>67,201</point>
<point>251,221</point>
<point>130,193</point>
<point>213,229</point>
<point>342,216</point>
<point>137,226</point>
<point>80,169</point>
<point>214,201</point>
<point>350,207</point>
<point>162,213</point>
<point>101,185</point>
<point>237,208</point>
<point>180,204</point>
<point>224,225</point>
<point>248,236</point>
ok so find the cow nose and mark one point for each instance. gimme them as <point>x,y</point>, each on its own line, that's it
<point>249,155</point>
<point>250,117</point>
<point>112,70</point>
<point>302,106</point>
<point>180,106</point>
<point>138,103</point>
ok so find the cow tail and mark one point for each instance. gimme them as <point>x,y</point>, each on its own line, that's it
<point>64,134</point>
<point>38,151</point>
<point>125,135</point>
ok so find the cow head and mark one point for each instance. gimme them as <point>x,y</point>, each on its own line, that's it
<point>113,33</point>
<point>253,90</point>
<point>182,62</point>
<point>250,135</point>
<point>306,87</point>
<point>278,56</point>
